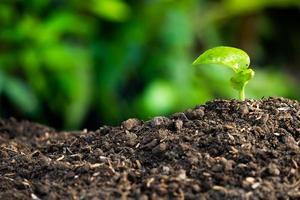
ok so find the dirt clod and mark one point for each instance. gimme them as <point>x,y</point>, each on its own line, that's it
<point>160,148</point>
<point>160,121</point>
<point>197,113</point>
<point>129,124</point>
<point>178,125</point>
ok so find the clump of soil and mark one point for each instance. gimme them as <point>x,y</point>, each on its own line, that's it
<point>226,149</point>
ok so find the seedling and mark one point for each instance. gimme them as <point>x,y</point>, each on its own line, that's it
<point>235,59</point>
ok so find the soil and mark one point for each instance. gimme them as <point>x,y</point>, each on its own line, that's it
<point>225,149</point>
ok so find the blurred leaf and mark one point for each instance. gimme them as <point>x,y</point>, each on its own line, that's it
<point>60,57</point>
<point>27,28</point>
<point>62,23</point>
<point>76,87</point>
<point>34,70</point>
<point>114,10</point>
<point>21,95</point>
<point>71,67</point>
<point>159,97</point>
<point>235,6</point>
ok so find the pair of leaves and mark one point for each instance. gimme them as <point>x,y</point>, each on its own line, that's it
<point>235,59</point>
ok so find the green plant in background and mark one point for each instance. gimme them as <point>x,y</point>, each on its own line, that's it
<point>235,59</point>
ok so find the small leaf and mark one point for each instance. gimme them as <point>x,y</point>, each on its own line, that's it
<point>229,56</point>
<point>241,78</point>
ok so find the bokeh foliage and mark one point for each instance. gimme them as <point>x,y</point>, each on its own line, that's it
<point>74,64</point>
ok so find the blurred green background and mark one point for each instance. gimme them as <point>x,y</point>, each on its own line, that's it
<point>75,64</point>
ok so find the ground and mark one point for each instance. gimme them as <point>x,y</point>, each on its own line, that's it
<point>225,149</point>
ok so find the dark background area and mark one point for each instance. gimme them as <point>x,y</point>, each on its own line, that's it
<point>81,64</point>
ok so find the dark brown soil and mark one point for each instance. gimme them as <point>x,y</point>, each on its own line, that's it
<point>225,149</point>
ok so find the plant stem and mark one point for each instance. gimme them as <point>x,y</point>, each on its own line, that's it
<point>242,94</point>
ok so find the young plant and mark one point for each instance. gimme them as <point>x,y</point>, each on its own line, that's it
<point>235,59</point>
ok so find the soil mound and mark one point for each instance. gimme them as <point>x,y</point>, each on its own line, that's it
<point>225,149</point>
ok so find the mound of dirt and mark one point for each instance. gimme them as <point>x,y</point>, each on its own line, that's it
<point>225,149</point>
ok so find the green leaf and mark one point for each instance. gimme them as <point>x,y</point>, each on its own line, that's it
<point>241,78</point>
<point>229,56</point>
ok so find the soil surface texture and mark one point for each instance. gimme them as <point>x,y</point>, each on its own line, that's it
<point>225,149</point>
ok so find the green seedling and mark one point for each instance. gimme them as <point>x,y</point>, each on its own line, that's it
<point>235,59</point>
